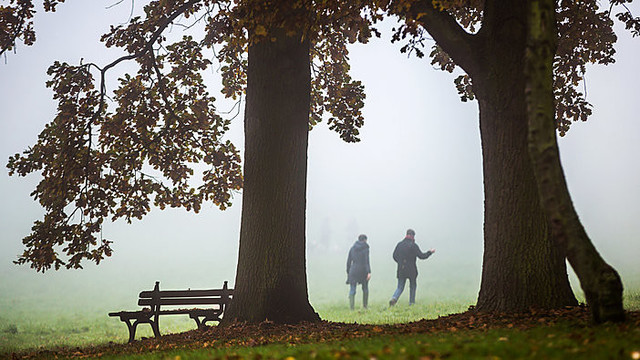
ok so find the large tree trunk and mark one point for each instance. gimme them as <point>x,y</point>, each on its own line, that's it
<point>522,266</point>
<point>271,280</point>
<point>600,282</point>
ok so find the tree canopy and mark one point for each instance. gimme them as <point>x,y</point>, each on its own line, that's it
<point>107,156</point>
<point>585,36</point>
<point>16,22</point>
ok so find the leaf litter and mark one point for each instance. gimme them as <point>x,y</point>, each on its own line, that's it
<point>242,334</point>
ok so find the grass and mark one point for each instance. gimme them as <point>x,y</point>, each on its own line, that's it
<point>22,329</point>
<point>559,341</point>
<point>43,313</point>
<point>46,330</point>
<point>381,313</point>
<point>54,309</point>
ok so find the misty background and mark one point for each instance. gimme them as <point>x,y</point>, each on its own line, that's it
<point>418,166</point>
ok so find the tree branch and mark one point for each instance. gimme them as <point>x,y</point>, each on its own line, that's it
<point>445,30</point>
<point>14,36</point>
<point>147,48</point>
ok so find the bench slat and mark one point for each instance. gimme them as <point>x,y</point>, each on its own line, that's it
<point>185,293</point>
<point>201,312</point>
<point>155,299</point>
<point>132,314</point>
<point>181,301</point>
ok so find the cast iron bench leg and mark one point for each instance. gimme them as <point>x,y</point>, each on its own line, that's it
<point>204,321</point>
<point>155,327</point>
<point>197,320</point>
<point>133,326</point>
<point>132,329</point>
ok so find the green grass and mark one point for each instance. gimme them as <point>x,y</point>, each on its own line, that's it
<point>381,313</point>
<point>33,328</point>
<point>70,308</point>
<point>559,341</point>
<point>41,312</point>
<point>37,312</point>
<point>40,330</point>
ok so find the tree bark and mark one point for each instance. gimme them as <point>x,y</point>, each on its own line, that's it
<point>271,281</point>
<point>522,266</point>
<point>600,282</point>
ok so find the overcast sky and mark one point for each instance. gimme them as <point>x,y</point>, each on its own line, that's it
<point>419,163</point>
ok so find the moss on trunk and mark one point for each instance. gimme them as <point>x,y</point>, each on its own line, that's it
<point>600,282</point>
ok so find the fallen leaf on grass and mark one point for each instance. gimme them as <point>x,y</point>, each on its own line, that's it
<point>268,332</point>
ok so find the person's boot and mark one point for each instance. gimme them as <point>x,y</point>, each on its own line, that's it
<point>365,299</point>
<point>352,300</point>
<point>393,301</point>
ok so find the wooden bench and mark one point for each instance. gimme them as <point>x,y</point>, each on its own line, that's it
<point>153,300</point>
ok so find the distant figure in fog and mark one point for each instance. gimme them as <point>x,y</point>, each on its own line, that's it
<point>359,270</point>
<point>405,255</point>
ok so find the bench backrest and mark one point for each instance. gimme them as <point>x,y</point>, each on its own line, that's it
<point>156,298</point>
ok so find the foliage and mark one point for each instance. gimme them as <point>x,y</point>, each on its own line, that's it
<point>110,157</point>
<point>586,36</point>
<point>16,22</point>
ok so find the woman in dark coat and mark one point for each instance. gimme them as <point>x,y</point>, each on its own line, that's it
<point>359,270</point>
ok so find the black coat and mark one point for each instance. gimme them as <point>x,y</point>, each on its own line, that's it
<point>405,255</point>
<point>358,263</point>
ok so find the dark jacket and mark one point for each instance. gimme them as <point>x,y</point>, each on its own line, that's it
<point>405,255</point>
<point>358,263</point>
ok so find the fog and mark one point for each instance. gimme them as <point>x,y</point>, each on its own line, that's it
<point>418,166</point>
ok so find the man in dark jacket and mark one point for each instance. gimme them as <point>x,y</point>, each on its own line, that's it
<point>405,255</point>
<point>359,270</point>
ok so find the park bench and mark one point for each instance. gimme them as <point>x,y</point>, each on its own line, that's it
<point>215,300</point>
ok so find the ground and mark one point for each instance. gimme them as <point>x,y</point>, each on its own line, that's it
<point>242,335</point>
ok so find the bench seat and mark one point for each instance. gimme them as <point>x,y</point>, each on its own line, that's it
<point>153,300</point>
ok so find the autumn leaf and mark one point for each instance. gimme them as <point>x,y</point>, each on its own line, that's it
<point>260,30</point>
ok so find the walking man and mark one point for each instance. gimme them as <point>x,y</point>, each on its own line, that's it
<point>405,255</point>
<point>359,270</point>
